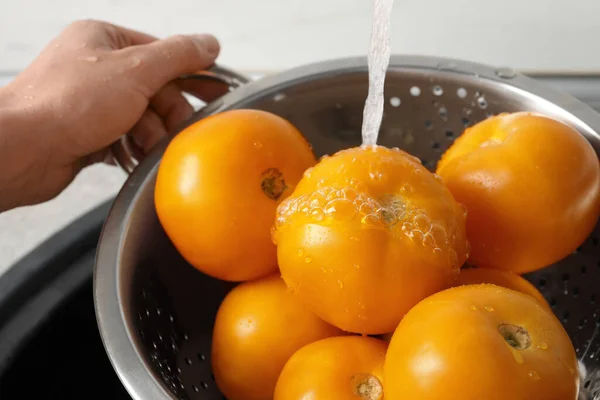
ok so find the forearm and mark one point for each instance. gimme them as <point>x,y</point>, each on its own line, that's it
<point>19,151</point>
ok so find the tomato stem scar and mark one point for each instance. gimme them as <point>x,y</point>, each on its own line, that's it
<point>516,336</point>
<point>367,387</point>
<point>272,183</point>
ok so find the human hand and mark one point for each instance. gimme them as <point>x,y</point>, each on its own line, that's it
<point>92,84</point>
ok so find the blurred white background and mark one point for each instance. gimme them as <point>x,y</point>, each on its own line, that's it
<point>276,34</point>
<point>270,35</point>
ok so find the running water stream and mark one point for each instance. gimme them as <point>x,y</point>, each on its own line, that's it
<point>378,61</point>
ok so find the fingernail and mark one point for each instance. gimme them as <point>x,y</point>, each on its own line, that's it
<point>211,44</point>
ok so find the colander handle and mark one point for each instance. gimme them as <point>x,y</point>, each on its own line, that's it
<point>127,155</point>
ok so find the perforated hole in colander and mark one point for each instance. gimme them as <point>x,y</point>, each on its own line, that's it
<point>176,304</point>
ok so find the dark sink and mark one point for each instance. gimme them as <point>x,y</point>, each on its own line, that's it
<point>50,347</point>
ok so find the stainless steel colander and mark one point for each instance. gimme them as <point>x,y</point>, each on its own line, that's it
<point>156,312</point>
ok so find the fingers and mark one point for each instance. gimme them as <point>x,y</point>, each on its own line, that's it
<point>171,106</point>
<point>146,68</point>
<point>168,108</point>
<point>164,60</point>
<point>148,131</point>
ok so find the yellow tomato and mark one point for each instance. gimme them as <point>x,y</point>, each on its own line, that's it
<point>338,368</point>
<point>218,185</point>
<point>531,186</point>
<point>479,342</point>
<point>367,234</point>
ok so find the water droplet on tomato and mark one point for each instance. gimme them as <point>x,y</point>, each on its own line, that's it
<point>439,234</point>
<point>406,189</point>
<point>367,208</point>
<point>422,222</point>
<point>542,346</point>
<point>428,240</point>
<point>516,354</point>
<point>317,214</point>
<point>534,375</point>
<point>569,368</point>
<point>416,235</point>
<point>370,220</point>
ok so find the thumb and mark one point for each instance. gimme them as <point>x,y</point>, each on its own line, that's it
<point>162,61</point>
